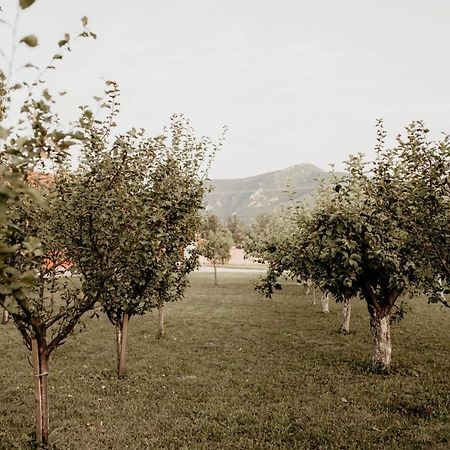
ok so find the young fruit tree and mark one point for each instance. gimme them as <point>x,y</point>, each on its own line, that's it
<point>216,242</point>
<point>359,247</point>
<point>237,230</point>
<point>357,242</point>
<point>45,308</point>
<point>50,308</point>
<point>273,240</point>
<point>134,209</point>
<point>269,243</point>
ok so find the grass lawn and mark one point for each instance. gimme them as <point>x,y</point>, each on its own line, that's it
<point>238,372</point>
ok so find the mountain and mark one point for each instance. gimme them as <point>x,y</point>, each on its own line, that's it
<point>252,196</point>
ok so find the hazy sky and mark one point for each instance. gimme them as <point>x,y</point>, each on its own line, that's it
<point>294,81</point>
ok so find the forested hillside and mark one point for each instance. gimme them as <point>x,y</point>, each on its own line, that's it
<point>252,196</point>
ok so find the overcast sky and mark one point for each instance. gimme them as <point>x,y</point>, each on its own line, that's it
<point>294,81</point>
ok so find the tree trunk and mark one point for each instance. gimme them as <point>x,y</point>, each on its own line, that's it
<point>346,313</point>
<point>40,366</point>
<point>215,274</point>
<point>122,338</point>
<point>325,300</point>
<point>5,317</point>
<point>118,342</point>
<point>311,287</point>
<point>161,332</point>
<point>380,327</point>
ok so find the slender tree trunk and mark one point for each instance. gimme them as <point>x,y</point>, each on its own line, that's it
<point>325,300</point>
<point>40,366</point>
<point>311,287</point>
<point>380,327</point>
<point>346,313</point>
<point>161,331</point>
<point>5,317</point>
<point>215,274</point>
<point>122,372</point>
<point>118,342</point>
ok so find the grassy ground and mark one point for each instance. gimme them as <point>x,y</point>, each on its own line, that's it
<point>238,372</point>
<point>239,266</point>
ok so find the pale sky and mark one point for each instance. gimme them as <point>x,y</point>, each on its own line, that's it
<point>294,81</point>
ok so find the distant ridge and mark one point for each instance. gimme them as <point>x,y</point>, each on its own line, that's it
<point>252,196</point>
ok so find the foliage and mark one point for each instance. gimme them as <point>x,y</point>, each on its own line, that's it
<point>53,304</point>
<point>274,239</point>
<point>45,308</point>
<point>216,240</point>
<point>355,238</point>
<point>33,141</point>
<point>237,230</point>
<point>387,228</point>
<point>357,241</point>
<point>133,210</point>
<point>424,168</point>
<point>3,102</point>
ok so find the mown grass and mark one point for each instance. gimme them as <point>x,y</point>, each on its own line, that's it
<point>238,372</point>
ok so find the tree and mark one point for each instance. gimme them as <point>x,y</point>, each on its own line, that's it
<point>273,240</point>
<point>380,231</point>
<point>52,306</point>
<point>44,310</point>
<point>133,209</point>
<point>237,230</point>
<point>359,246</point>
<point>216,242</point>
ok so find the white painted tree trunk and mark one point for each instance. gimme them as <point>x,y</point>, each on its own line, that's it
<point>325,300</point>
<point>122,339</point>
<point>346,313</point>
<point>161,331</point>
<point>311,287</point>
<point>380,326</point>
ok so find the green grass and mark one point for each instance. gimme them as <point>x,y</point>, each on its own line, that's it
<point>238,372</point>
<point>239,266</point>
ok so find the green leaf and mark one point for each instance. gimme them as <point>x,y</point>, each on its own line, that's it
<point>30,66</point>
<point>5,290</point>
<point>4,132</point>
<point>31,40</point>
<point>46,95</point>
<point>24,4</point>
